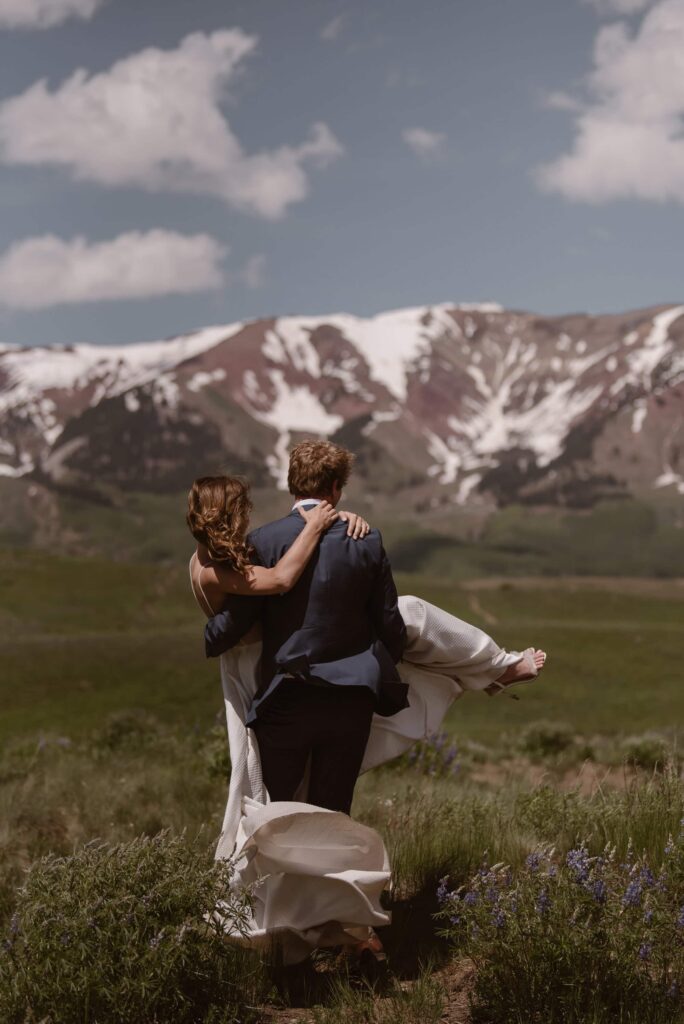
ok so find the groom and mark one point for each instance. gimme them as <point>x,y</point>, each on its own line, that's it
<point>330,645</point>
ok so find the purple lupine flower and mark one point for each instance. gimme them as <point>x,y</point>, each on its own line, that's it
<point>443,890</point>
<point>533,861</point>
<point>645,950</point>
<point>669,846</point>
<point>542,903</point>
<point>648,916</point>
<point>498,918</point>
<point>646,877</point>
<point>455,919</point>
<point>552,871</point>
<point>632,897</point>
<point>598,889</point>
<point>578,862</point>
<point>470,899</point>
<point>491,895</point>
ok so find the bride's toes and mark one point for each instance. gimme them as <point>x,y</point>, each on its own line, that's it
<point>539,660</point>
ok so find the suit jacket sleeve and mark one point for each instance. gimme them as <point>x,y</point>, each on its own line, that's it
<point>384,610</point>
<point>228,627</point>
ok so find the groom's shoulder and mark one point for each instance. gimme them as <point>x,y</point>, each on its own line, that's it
<point>275,530</point>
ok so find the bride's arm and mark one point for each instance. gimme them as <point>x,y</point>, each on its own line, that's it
<point>258,580</point>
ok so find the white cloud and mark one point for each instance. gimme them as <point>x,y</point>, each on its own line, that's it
<point>253,272</point>
<point>424,143</point>
<point>48,271</point>
<point>619,7</point>
<point>628,134</point>
<point>154,120</point>
<point>333,28</point>
<point>44,13</point>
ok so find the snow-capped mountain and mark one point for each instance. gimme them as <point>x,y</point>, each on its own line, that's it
<point>443,403</point>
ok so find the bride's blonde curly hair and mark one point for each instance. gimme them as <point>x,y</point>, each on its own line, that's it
<point>218,516</point>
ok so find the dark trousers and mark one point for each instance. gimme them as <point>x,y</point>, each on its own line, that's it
<point>328,723</point>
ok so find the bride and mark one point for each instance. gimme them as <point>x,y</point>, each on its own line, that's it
<point>316,875</point>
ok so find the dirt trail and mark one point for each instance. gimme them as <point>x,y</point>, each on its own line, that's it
<point>455,977</point>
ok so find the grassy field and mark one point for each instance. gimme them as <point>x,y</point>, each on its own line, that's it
<point>109,731</point>
<point>80,639</point>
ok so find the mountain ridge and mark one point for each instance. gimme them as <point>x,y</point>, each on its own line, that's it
<point>445,404</point>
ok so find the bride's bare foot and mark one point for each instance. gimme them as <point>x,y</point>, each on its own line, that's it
<point>529,667</point>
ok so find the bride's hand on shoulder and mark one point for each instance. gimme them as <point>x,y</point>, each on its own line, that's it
<point>357,525</point>
<point>320,517</point>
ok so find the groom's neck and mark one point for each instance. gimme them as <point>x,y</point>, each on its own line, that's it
<point>314,497</point>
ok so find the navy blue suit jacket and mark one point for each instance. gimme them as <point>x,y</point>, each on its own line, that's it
<point>339,623</point>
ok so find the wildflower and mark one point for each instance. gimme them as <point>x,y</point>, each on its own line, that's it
<point>648,916</point>
<point>542,903</point>
<point>578,862</point>
<point>669,846</point>
<point>470,899</point>
<point>499,918</point>
<point>455,919</point>
<point>533,861</point>
<point>491,895</point>
<point>552,871</point>
<point>14,925</point>
<point>632,897</point>
<point>443,890</point>
<point>646,877</point>
<point>156,939</point>
<point>680,919</point>
<point>598,889</point>
<point>645,950</point>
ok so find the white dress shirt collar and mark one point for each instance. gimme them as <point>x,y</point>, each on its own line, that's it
<point>306,501</point>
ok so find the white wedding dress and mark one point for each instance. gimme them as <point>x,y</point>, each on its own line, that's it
<point>316,876</point>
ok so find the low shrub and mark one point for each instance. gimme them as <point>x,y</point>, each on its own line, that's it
<point>574,938</point>
<point>546,739</point>
<point>649,751</point>
<point>119,934</point>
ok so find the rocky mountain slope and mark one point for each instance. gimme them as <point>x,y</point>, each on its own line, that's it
<point>443,404</point>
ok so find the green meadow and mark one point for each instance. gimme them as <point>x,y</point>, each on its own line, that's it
<point>82,638</point>
<point>557,815</point>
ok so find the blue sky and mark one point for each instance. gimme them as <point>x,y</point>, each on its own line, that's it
<point>216,161</point>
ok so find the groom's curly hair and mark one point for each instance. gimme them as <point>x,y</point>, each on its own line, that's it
<point>218,516</point>
<point>315,466</point>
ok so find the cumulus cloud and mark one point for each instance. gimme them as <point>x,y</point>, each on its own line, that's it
<point>44,13</point>
<point>36,273</point>
<point>154,120</point>
<point>620,8</point>
<point>628,133</point>
<point>424,143</point>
